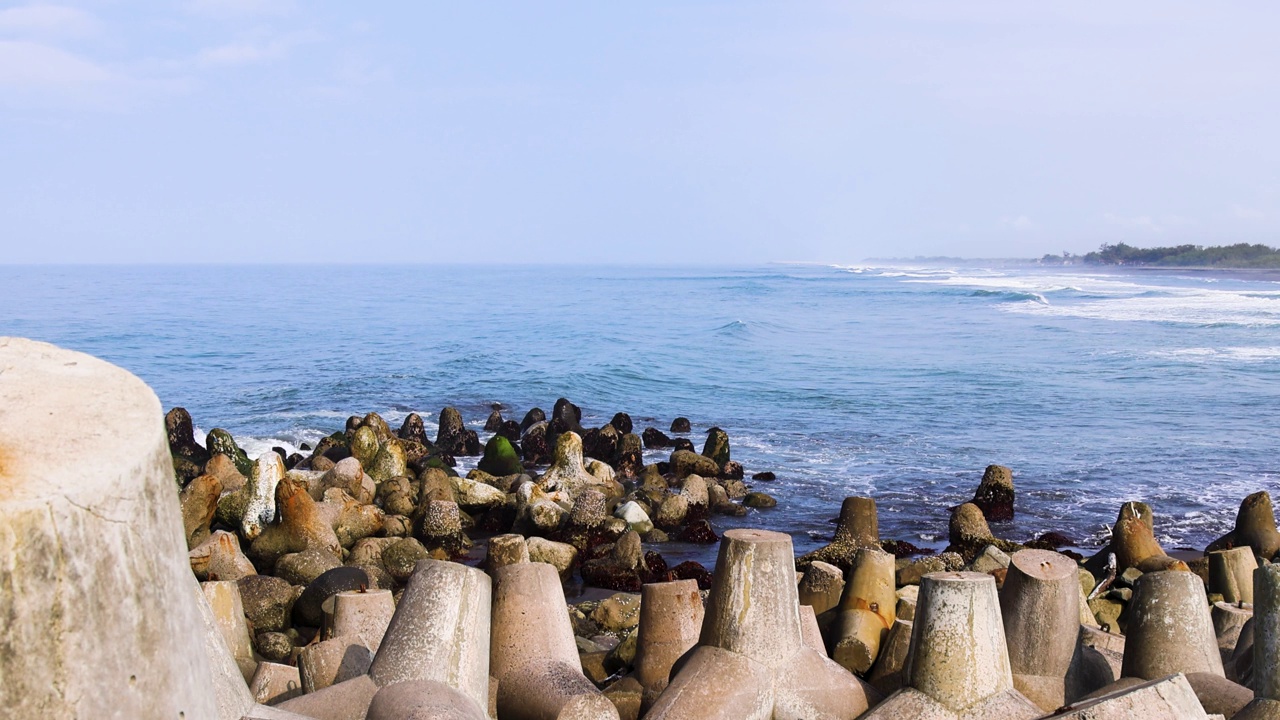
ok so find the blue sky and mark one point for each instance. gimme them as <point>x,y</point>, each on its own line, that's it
<point>657,132</point>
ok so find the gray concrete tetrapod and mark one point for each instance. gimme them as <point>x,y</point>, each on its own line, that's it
<point>751,660</point>
<point>1231,573</point>
<point>532,650</point>
<point>1040,606</point>
<point>670,619</point>
<point>959,664</point>
<point>365,613</point>
<point>1169,697</point>
<point>1266,646</point>
<point>1170,629</point>
<point>422,700</point>
<point>440,631</point>
<point>93,559</point>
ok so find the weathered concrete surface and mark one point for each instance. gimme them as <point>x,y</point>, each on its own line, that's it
<point>1168,698</point>
<point>1040,606</point>
<point>95,586</point>
<point>670,620</point>
<point>440,631</point>
<point>1266,646</point>
<point>1170,630</point>
<point>959,660</point>
<point>422,700</point>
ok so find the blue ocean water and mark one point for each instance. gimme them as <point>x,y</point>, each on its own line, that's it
<point>901,383</point>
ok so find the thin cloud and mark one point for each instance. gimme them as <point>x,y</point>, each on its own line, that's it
<point>26,64</point>
<point>249,53</point>
<point>241,8</point>
<point>46,21</point>
<point>1021,223</point>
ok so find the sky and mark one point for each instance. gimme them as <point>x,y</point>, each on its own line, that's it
<point>228,131</point>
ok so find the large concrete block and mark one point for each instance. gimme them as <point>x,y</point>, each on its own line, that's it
<point>1170,629</point>
<point>959,660</point>
<point>1266,645</point>
<point>670,619</point>
<point>1040,606</point>
<point>1168,698</point>
<point>98,589</point>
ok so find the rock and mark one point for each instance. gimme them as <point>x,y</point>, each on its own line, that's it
<point>699,532</point>
<point>601,444</point>
<point>451,435</point>
<point>622,422</point>
<point>364,446</point>
<point>220,558</point>
<point>413,429</point>
<point>617,613</point>
<point>589,509</point>
<point>1107,612</point>
<point>1255,527</point>
<point>220,442</point>
<point>989,560</point>
<point>634,516</point>
<point>995,493</point>
<point>655,438</point>
<point>346,475</point>
<point>717,447</point>
<point>379,426</point>
<point>628,552</point>
<point>304,567</point>
<point>765,476</point>
<point>274,647</point>
<point>686,462</point>
<point>268,602</point>
<point>441,527</point>
<point>735,489</point>
<point>182,440</point>
<point>475,496</point>
<point>402,556</point>
<point>561,555</point>
<point>199,501</point>
<point>531,418</point>
<point>671,513</point>
<point>759,500</point>
<point>500,458</point>
<point>695,490</point>
<point>680,425</point>
<point>390,462</point>
<point>494,421</point>
<point>911,572</point>
<point>306,610</point>
<point>568,412</point>
<point>260,504</point>
<point>821,586</point>
<point>533,445</point>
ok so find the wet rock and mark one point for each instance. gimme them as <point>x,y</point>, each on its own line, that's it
<point>413,429</point>
<point>601,444</point>
<point>500,458</point>
<point>182,439</point>
<point>629,460</point>
<point>220,442</point>
<point>687,462</point>
<point>453,437</point>
<point>732,470</point>
<point>717,447</point>
<point>671,513</point>
<point>699,532</point>
<point>569,413</point>
<point>635,517</point>
<point>268,602</point>
<point>494,421</point>
<point>759,500</point>
<point>680,425</point>
<point>995,494</point>
<point>766,476</point>
<point>533,445</point>
<point>531,418</point>
<point>692,570</point>
<point>655,438</point>
<point>379,426</point>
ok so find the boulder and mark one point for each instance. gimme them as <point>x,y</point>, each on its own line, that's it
<point>994,496</point>
<point>500,458</point>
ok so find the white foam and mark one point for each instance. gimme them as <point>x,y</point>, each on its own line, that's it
<point>1177,305</point>
<point>1223,354</point>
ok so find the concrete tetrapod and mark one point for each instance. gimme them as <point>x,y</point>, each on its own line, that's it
<point>866,611</point>
<point>1170,629</point>
<point>365,613</point>
<point>670,620</point>
<point>532,650</point>
<point>1266,646</point>
<point>751,661</point>
<point>1040,605</point>
<point>92,547</point>
<point>857,527</point>
<point>1168,698</point>
<point>959,660</point>
<point>1231,573</point>
<point>439,633</point>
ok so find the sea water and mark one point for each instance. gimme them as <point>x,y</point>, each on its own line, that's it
<point>899,382</point>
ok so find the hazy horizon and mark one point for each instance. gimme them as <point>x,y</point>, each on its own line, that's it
<point>266,131</point>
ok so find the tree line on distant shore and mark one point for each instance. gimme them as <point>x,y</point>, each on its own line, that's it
<point>1240,255</point>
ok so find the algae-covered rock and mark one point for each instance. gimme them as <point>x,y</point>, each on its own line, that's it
<point>759,500</point>
<point>717,447</point>
<point>220,442</point>
<point>389,462</point>
<point>500,458</point>
<point>364,446</point>
<point>687,462</point>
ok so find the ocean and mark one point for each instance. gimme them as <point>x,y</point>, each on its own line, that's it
<point>895,380</point>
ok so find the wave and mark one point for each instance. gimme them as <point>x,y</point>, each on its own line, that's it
<point>1200,308</point>
<point>1223,354</point>
<point>1011,295</point>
